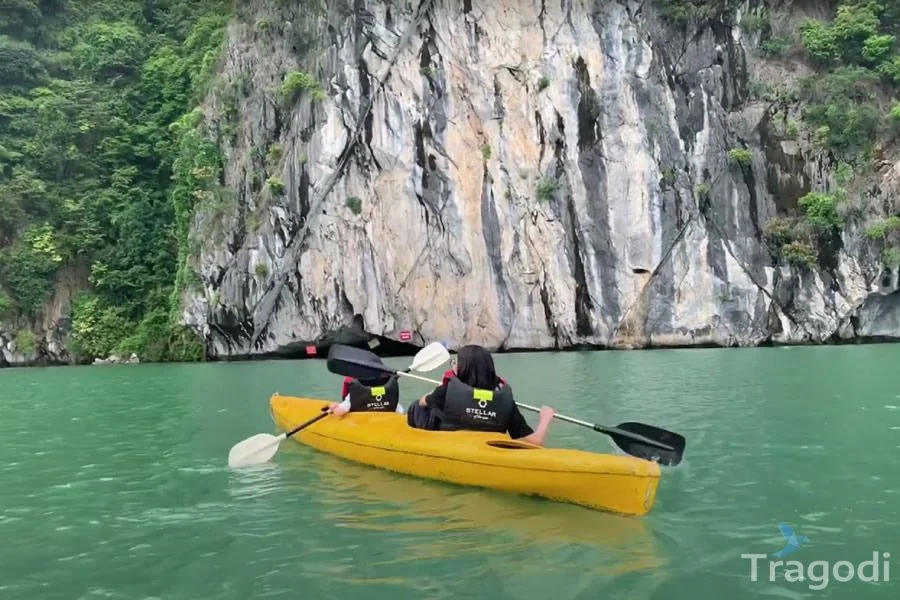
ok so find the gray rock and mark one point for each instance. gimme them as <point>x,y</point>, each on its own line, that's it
<point>503,210</point>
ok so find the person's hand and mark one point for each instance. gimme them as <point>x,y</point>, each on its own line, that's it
<point>337,410</point>
<point>547,413</point>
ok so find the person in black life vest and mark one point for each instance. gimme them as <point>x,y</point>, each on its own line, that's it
<point>369,395</point>
<point>476,399</point>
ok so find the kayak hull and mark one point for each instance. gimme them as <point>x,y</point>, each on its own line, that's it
<point>612,483</point>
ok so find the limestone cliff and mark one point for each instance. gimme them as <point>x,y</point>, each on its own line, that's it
<point>519,175</point>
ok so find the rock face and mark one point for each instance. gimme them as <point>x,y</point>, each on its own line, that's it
<point>518,175</point>
<point>21,346</point>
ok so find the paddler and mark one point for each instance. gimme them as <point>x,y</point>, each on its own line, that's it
<point>369,395</point>
<point>472,397</point>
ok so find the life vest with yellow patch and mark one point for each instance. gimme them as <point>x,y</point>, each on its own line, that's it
<point>474,409</point>
<point>376,398</point>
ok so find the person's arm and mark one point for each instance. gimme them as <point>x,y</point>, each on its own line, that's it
<point>520,430</point>
<point>435,399</point>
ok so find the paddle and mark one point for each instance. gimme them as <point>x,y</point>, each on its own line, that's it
<point>637,439</point>
<point>261,447</point>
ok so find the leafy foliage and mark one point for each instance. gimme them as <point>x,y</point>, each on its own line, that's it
<point>89,171</point>
<point>741,156</point>
<point>858,54</point>
<point>821,211</point>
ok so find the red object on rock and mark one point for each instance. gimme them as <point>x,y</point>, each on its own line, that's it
<point>405,335</point>
<point>310,350</point>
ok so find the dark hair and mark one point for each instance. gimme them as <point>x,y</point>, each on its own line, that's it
<point>475,367</point>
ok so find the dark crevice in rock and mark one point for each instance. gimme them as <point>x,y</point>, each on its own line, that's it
<point>419,137</point>
<point>499,109</point>
<point>753,209</point>
<point>592,168</point>
<point>303,195</point>
<point>786,177</point>
<point>365,88</point>
<point>548,313</point>
<point>493,240</point>
<point>541,16</point>
<point>588,108</point>
<point>830,245</point>
<point>573,229</point>
<point>425,52</point>
<point>542,134</point>
<point>235,329</point>
<point>346,306</point>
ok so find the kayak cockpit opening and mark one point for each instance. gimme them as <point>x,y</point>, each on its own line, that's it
<point>511,445</point>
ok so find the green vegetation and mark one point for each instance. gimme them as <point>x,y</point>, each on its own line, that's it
<point>774,47</point>
<point>755,21</point>
<point>543,83</point>
<point>297,82</point>
<point>740,156</point>
<point>821,211</point>
<point>669,176</point>
<point>261,270</point>
<point>546,189</point>
<point>859,62</point>
<point>26,341</point>
<point>354,203</point>
<point>800,253</point>
<point>486,151</point>
<point>858,59</point>
<point>792,239</point>
<point>886,233</point>
<point>796,238</point>
<point>884,227</point>
<point>93,173</point>
<point>276,185</point>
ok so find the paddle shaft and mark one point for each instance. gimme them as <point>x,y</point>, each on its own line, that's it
<point>599,428</point>
<point>607,430</point>
<point>308,423</point>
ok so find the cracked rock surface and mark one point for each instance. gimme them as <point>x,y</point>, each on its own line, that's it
<point>529,175</point>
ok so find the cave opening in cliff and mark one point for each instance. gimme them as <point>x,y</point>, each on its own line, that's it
<point>381,346</point>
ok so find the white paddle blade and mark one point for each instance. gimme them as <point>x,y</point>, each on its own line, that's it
<point>430,357</point>
<point>254,450</point>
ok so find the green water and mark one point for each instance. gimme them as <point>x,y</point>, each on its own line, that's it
<point>113,484</point>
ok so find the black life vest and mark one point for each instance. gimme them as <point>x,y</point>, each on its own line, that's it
<point>475,409</point>
<point>378,398</point>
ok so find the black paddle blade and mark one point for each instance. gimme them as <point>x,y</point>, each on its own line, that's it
<point>649,451</point>
<point>355,362</point>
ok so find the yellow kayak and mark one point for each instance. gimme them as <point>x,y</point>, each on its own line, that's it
<point>618,484</point>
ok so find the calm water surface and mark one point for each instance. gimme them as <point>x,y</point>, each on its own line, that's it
<point>113,484</point>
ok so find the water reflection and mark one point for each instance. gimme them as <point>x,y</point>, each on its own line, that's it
<point>468,521</point>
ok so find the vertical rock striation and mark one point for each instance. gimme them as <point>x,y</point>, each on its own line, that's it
<point>519,175</point>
